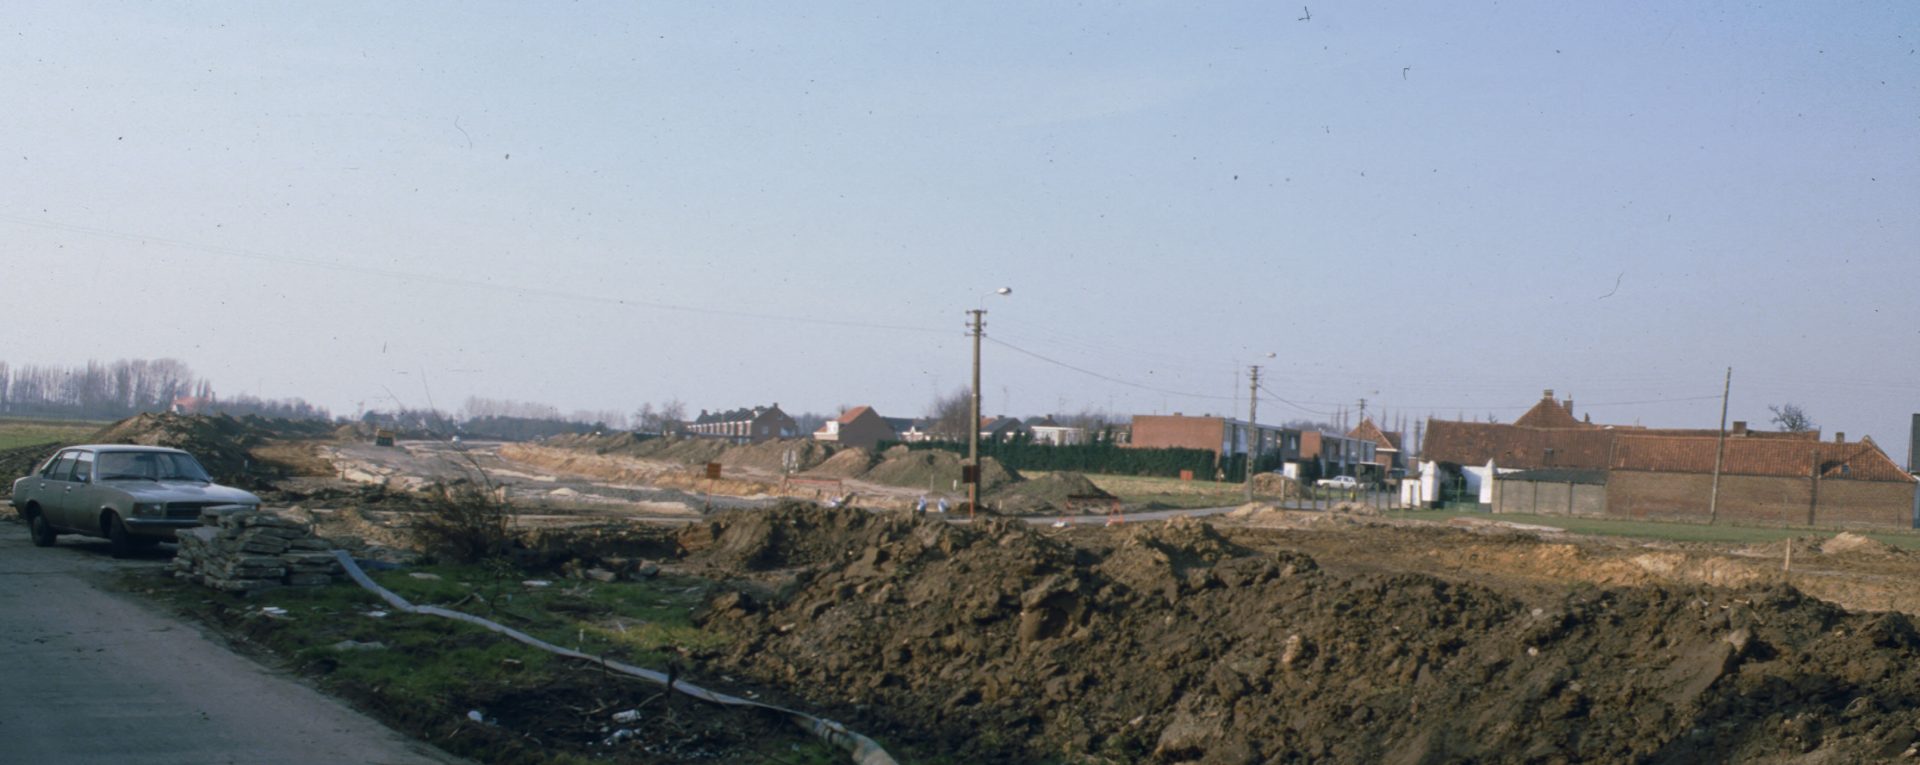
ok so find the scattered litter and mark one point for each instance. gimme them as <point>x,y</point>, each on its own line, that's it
<point>618,736</point>
<point>626,716</point>
<point>537,583</point>
<point>425,575</point>
<point>355,645</point>
<point>273,611</point>
<point>377,614</point>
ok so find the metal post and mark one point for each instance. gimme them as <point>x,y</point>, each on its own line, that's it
<point>973,425</point>
<point>1720,452</point>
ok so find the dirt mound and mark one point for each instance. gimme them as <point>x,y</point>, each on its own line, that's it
<point>847,463</point>
<point>777,455</point>
<point>19,461</point>
<point>1276,485</point>
<point>934,470</point>
<point>1001,642</point>
<point>791,534</point>
<point>1849,543</point>
<point>221,443</point>
<point>1042,496</point>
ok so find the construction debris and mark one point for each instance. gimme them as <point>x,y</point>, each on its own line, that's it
<point>253,551</point>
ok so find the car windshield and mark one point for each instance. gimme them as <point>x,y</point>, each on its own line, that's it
<point>150,466</point>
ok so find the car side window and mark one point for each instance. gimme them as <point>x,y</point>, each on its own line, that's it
<point>60,469</point>
<point>83,468</point>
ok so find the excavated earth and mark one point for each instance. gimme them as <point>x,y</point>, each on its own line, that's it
<point>1180,642</point>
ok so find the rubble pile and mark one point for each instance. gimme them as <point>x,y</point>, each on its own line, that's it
<point>252,551</point>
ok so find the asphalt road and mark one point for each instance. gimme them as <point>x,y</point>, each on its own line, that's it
<point>93,676</point>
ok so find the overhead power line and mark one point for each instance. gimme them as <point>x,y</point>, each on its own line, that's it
<point>1097,375</point>
<point>456,281</point>
<point>1296,405</point>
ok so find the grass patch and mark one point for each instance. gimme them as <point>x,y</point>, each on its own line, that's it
<point>428,673</point>
<point>19,432</point>
<point>1670,531</point>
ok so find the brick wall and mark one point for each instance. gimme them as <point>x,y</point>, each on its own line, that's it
<point>1172,431</point>
<point>1872,503</point>
<point>1761,499</point>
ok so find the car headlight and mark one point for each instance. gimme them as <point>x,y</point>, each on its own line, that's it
<point>149,509</point>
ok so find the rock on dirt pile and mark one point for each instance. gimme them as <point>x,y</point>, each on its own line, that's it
<point>1000,642</point>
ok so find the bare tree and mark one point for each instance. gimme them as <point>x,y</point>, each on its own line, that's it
<point>951,415</point>
<point>1791,418</point>
<point>667,418</point>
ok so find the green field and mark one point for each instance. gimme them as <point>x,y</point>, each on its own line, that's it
<point>16,433</point>
<point>1672,531</point>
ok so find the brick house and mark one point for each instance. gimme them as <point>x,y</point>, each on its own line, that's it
<point>1555,461</point>
<point>859,426</point>
<point>1224,436</point>
<point>746,425</point>
<point>1386,446</point>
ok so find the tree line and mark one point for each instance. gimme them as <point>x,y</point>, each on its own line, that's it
<point>113,390</point>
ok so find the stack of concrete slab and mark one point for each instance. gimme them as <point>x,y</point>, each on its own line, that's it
<point>251,551</point>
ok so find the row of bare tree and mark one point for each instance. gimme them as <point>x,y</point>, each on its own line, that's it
<point>111,390</point>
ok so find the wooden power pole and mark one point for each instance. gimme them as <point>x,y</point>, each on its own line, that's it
<point>973,425</point>
<point>1720,452</point>
<point>1253,424</point>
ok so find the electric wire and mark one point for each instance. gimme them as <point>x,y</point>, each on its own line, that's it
<point>1097,375</point>
<point>453,281</point>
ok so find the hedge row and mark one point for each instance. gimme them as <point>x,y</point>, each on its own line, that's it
<point>1105,458</point>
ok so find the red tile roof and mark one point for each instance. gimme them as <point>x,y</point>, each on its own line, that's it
<point>1782,457</point>
<point>1367,431</point>
<point>850,415</point>
<point>1551,414</point>
<point>1510,446</point>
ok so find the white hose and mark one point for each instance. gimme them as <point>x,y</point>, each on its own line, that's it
<point>865,751</point>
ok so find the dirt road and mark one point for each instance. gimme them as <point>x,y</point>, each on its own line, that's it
<point>93,676</point>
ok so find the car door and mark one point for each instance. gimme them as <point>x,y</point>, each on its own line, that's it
<point>52,489</point>
<point>82,501</point>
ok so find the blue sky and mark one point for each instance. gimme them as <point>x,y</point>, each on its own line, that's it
<point>597,205</point>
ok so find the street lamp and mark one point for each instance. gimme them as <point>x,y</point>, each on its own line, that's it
<point>973,425</point>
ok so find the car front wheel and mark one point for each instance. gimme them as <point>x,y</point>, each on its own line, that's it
<point>43,533</point>
<point>119,540</point>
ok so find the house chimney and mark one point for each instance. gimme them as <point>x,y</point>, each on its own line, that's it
<point>1547,394</point>
<point>1839,436</point>
<point>1740,427</point>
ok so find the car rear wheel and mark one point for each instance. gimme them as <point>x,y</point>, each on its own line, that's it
<point>43,533</point>
<point>119,540</point>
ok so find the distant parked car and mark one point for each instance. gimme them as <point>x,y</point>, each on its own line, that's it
<point>1344,482</point>
<point>133,496</point>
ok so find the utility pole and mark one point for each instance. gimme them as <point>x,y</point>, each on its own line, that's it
<point>1720,452</point>
<point>1253,424</point>
<point>973,425</point>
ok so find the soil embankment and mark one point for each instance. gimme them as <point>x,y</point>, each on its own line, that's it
<point>1174,643</point>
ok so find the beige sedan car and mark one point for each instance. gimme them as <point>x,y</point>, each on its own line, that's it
<point>133,496</point>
